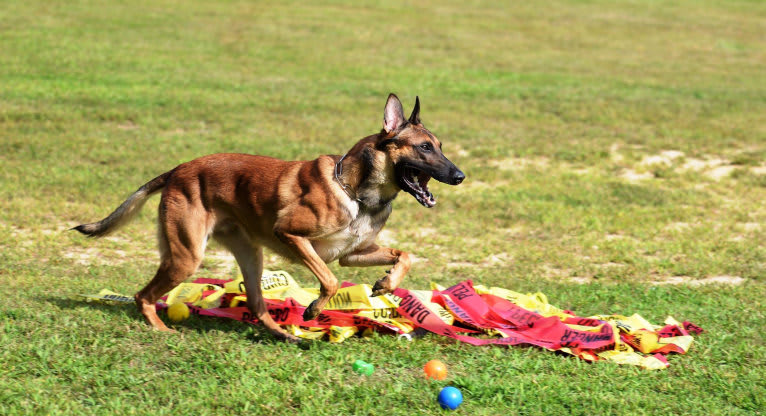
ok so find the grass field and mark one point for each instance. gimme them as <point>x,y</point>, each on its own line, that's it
<point>616,161</point>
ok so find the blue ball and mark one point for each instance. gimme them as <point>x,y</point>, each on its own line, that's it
<point>450,398</point>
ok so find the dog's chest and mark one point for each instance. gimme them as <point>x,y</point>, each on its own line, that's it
<point>361,232</point>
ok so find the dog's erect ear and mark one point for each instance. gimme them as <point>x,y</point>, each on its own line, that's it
<point>393,116</point>
<point>415,116</point>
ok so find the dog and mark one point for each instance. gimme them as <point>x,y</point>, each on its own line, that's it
<point>313,212</point>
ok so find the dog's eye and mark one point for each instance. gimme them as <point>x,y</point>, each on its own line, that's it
<point>426,147</point>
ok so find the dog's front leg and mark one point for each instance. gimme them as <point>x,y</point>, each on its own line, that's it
<point>381,256</point>
<point>302,247</point>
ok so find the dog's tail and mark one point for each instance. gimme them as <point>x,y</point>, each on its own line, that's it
<point>126,210</point>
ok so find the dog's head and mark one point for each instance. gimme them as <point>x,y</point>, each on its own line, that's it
<point>415,152</point>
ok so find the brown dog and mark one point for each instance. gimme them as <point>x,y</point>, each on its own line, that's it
<point>315,212</point>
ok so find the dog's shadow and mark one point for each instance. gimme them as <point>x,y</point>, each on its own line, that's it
<point>200,324</point>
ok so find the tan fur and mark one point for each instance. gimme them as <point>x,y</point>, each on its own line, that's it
<point>298,209</point>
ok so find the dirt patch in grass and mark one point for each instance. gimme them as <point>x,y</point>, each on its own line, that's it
<point>687,280</point>
<point>489,261</point>
<point>711,166</point>
<point>220,261</point>
<point>91,255</point>
<point>521,163</point>
<point>666,157</point>
<point>674,280</point>
<point>632,175</point>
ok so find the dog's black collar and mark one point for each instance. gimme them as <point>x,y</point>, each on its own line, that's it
<point>376,207</point>
<point>346,187</point>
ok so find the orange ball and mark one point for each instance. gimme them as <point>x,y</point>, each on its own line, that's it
<point>436,370</point>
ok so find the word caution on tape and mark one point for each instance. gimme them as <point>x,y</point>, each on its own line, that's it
<point>474,314</point>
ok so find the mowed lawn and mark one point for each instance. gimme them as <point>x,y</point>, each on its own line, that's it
<point>615,154</point>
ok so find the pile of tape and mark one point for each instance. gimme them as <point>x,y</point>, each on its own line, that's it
<point>470,313</point>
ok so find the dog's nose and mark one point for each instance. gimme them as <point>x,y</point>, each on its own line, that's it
<point>458,177</point>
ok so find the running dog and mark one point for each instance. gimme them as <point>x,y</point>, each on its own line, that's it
<point>315,212</point>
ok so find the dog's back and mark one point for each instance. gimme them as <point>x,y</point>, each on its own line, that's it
<point>250,193</point>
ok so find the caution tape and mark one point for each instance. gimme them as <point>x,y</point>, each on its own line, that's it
<point>476,315</point>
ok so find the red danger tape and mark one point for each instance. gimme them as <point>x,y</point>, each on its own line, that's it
<point>472,314</point>
<point>468,307</point>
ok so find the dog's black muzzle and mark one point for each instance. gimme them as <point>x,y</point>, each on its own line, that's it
<point>445,172</point>
<point>457,176</point>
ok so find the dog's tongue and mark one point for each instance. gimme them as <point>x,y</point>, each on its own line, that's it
<point>423,179</point>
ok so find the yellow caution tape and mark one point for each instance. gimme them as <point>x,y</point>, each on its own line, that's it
<point>636,341</point>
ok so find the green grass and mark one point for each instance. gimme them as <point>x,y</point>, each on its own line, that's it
<point>553,111</point>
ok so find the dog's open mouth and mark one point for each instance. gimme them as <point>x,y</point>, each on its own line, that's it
<point>416,183</point>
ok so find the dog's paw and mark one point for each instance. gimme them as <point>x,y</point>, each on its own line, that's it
<point>292,339</point>
<point>381,287</point>
<point>164,329</point>
<point>281,335</point>
<point>311,312</point>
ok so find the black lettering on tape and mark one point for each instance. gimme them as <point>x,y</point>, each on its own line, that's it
<point>460,292</point>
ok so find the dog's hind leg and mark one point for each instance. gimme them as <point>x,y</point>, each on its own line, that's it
<point>380,256</point>
<point>250,260</point>
<point>182,244</point>
<point>168,276</point>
